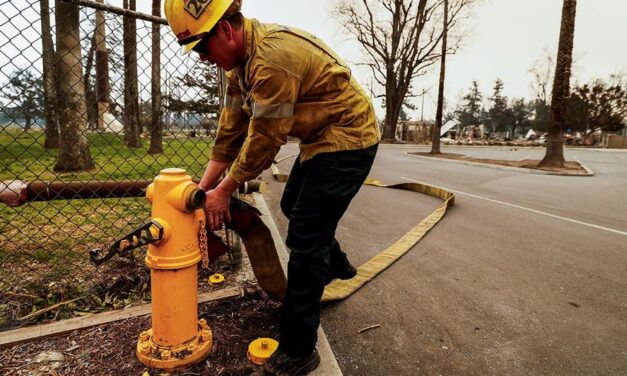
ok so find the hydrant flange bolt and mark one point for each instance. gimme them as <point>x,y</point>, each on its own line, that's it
<point>144,348</point>
<point>205,334</point>
<point>144,336</point>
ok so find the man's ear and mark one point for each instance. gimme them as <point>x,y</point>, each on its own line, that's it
<point>225,28</point>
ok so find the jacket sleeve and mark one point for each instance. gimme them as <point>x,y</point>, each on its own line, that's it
<point>274,93</point>
<point>232,126</point>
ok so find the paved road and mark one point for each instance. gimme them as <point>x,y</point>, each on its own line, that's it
<point>526,274</point>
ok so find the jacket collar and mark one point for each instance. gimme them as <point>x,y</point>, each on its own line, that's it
<point>249,44</point>
<point>248,38</point>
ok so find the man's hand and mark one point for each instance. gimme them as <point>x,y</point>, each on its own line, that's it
<point>217,208</point>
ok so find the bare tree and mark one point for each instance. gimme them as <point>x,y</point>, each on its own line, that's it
<point>50,93</point>
<point>156,130</point>
<point>541,79</point>
<point>554,156</point>
<point>435,144</point>
<point>400,38</point>
<point>541,76</point>
<point>131,92</point>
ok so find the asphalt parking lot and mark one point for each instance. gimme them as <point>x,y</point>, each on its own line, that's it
<point>526,274</point>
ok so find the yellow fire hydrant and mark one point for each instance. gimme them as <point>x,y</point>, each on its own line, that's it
<point>177,338</point>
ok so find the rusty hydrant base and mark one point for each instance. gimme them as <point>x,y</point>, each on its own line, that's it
<point>164,357</point>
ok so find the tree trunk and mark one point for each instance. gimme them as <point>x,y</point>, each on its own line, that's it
<point>389,126</point>
<point>404,131</point>
<point>156,131</point>
<point>131,106</point>
<point>435,145</point>
<point>554,156</point>
<point>90,92</point>
<point>74,148</point>
<point>50,93</point>
<point>391,114</point>
<point>103,87</point>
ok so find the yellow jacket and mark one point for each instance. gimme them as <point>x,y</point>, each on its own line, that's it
<point>292,84</point>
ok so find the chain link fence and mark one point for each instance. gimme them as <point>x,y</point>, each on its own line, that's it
<point>78,104</point>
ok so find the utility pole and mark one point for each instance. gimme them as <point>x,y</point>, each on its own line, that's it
<point>435,143</point>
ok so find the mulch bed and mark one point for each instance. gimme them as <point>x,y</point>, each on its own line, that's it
<point>110,349</point>
<point>25,287</point>
<point>571,168</point>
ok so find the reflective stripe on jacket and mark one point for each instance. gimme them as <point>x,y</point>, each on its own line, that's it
<point>292,84</point>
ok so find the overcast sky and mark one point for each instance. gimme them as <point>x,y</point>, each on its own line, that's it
<point>506,37</point>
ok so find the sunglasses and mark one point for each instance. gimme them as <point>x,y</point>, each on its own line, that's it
<point>202,46</point>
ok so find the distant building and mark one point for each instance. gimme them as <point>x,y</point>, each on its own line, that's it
<point>416,132</point>
<point>449,129</point>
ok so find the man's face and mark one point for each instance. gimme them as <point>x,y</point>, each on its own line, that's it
<point>219,47</point>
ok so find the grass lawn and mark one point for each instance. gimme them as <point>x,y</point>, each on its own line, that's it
<point>43,245</point>
<point>23,157</point>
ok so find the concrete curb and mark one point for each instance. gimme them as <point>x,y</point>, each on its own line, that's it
<point>589,172</point>
<point>504,147</point>
<point>588,169</point>
<point>328,364</point>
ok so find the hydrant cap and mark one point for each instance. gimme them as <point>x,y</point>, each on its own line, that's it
<point>261,349</point>
<point>216,279</point>
<point>173,171</point>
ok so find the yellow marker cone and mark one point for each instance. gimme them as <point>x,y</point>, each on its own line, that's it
<point>216,279</point>
<point>261,349</point>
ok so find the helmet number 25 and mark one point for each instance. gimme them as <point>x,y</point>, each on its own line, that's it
<point>196,7</point>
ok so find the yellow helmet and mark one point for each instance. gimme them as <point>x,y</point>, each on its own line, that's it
<point>190,19</point>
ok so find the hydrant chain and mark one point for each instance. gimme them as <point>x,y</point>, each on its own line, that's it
<point>203,243</point>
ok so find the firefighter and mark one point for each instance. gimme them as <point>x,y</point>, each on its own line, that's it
<point>284,82</point>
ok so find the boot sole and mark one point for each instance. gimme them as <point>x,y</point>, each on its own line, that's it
<point>308,367</point>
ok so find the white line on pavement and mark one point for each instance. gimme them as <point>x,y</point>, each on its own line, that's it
<point>619,232</point>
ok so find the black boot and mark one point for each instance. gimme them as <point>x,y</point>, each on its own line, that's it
<point>339,266</point>
<point>280,364</point>
<point>346,272</point>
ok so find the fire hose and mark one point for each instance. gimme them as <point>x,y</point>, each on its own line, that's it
<point>341,289</point>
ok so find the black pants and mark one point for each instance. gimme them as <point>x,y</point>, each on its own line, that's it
<point>316,196</point>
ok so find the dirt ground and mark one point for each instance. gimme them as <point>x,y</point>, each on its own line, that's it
<point>109,349</point>
<point>570,168</point>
